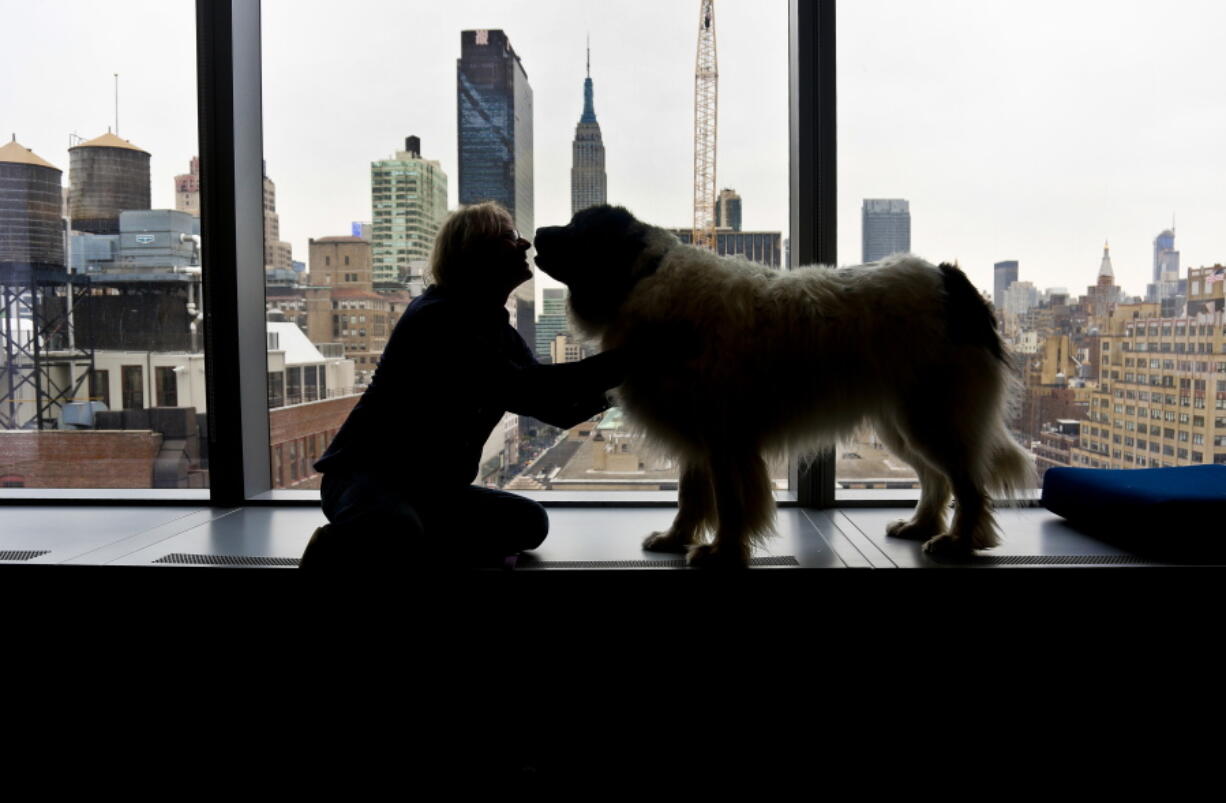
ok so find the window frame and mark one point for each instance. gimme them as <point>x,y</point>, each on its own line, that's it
<point>230,109</point>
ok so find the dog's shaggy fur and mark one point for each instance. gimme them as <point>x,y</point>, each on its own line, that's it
<point>733,362</point>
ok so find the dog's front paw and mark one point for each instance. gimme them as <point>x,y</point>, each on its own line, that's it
<point>948,545</point>
<point>665,542</point>
<point>710,556</point>
<point>910,530</point>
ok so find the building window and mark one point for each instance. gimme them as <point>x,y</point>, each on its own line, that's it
<point>167,387</point>
<point>100,386</point>
<point>276,389</point>
<point>293,385</point>
<point>133,379</point>
<point>311,383</point>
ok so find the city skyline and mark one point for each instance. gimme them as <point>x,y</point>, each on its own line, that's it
<point>1038,157</point>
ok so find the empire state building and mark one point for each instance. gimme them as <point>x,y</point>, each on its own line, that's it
<point>587,176</point>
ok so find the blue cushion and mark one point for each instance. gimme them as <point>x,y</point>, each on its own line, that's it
<point>1183,506</point>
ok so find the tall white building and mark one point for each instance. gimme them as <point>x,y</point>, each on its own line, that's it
<point>408,199</point>
<point>1021,297</point>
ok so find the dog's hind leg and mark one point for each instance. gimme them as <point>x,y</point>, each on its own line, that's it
<point>956,451</point>
<point>973,527</point>
<point>695,511</point>
<point>745,508</point>
<point>929,518</point>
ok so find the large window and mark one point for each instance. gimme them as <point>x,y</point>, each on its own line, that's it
<point>1065,156</point>
<point>101,312</point>
<point>380,120</point>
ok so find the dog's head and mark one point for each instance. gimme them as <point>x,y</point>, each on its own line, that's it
<point>600,255</point>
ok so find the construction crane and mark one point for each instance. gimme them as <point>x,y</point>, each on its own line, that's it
<point>706,84</point>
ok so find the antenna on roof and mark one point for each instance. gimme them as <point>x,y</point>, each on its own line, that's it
<point>116,104</point>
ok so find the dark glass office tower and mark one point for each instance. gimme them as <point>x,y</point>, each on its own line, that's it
<point>494,107</point>
<point>1005,274</point>
<point>885,228</point>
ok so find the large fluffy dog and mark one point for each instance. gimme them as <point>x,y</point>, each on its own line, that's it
<point>733,361</point>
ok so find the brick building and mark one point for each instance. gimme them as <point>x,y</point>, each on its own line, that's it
<point>78,458</point>
<point>342,305</point>
<point>1161,400</point>
<point>298,435</point>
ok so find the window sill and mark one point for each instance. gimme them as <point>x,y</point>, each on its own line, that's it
<point>104,496</point>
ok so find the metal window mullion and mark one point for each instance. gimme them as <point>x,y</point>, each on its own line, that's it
<point>811,75</point>
<point>231,167</point>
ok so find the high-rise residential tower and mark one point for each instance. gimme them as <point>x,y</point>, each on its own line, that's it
<point>1005,274</point>
<point>885,228</point>
<point>408,200</point>
<point>494,110</point>
<point>728,210</point>
<point>588,184</point>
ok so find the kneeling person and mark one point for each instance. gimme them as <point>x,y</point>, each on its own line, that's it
<point>397,477</point>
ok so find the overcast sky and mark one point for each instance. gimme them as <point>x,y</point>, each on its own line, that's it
<point>1030,131</point>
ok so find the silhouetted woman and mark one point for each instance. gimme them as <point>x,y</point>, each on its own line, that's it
<point>397,477</point>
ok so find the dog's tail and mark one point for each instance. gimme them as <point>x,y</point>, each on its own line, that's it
<point>1010,470</point>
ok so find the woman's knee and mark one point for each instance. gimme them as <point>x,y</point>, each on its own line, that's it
<point>514,522</point>
<point>534,525</point>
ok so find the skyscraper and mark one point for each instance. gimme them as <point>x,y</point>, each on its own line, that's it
<point>1166,258</point>
<point>494,110</point>
<point>1005,275</point>
<point>408,200</point>
<point>587,173</point>
<point>494,127</point>
<point>1167,288</point>
<point>553,320</point>
<point>885,228</point>
<point>728,210</point>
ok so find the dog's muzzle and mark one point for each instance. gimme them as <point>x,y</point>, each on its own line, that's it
<point>547,246</point>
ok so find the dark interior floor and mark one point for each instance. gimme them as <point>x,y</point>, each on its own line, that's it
<point>581,539</point>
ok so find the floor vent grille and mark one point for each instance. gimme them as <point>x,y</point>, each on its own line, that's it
<point>1052,560</point>
<point>20,554</point>
<point>666,563</point>
<point>186,559</point>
